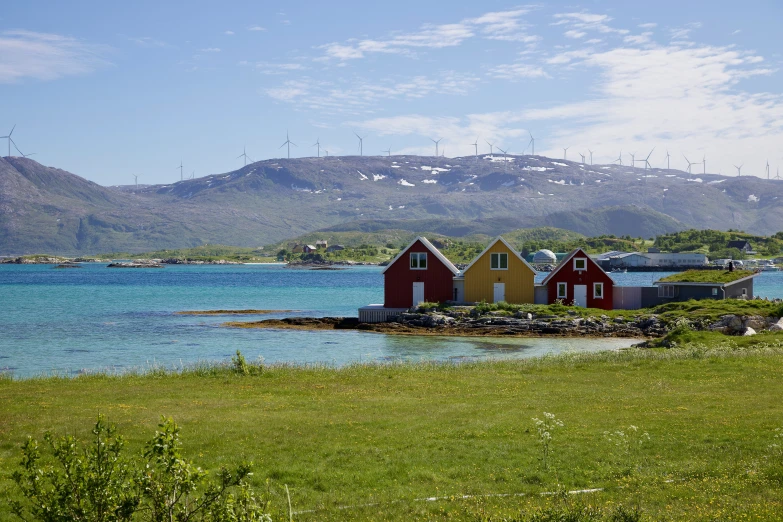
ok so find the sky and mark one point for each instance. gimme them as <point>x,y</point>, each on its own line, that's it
<point>111,90</point>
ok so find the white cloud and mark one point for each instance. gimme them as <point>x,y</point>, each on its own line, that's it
<point>684,32</point>
<point>574,34</point>
<point>43,56</point>
<point>211,50</point>
<point>649,25</point>
<point>359,96</point>
<point>517,71</point>
<point>147,41</point>
<point>256,28</point>
<point>638,39</point>
<point>499,25</point>
<point>588,22</point>
<point>229,33</point>
<point>276,68</point>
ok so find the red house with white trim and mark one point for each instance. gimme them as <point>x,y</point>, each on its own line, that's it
<point>578,280</point>
<point>419,273</point>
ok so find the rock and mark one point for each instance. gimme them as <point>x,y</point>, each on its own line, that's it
<point>755,322</point>
<point>529,317</point>
<point>778,326</point>
<point>749,331</point>
<point>619,320</point>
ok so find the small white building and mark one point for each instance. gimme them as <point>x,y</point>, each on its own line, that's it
<point>658,259</point>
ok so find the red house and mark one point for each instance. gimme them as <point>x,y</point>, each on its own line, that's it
<point>418,273</point>
<point>578,280</point>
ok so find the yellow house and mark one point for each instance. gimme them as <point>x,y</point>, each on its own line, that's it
<point>499,273</point>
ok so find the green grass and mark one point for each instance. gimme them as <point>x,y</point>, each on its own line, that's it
<point>389,435</point>
<point>707,276</point>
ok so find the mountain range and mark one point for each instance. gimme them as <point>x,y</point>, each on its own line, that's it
<point>44,209</point>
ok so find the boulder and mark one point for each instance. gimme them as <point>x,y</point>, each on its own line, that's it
<point>756,322</point>
<point>778,326</point>
<point>748,332</point>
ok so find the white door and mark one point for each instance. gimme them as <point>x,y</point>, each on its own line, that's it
<point>499,292</point>
<point>418,293</point>
<point>580,295</point>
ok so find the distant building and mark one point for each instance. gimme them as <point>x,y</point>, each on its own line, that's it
<point>544,257</point>
<point>308,249</point>
<point>335,248</point>
<point>740,288</point>
<point>297,249</point>
<point>651,259</point>
<point>741,245</point>
<point>321,243</point>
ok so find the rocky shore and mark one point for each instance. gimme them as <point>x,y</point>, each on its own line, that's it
<point>463,323</point>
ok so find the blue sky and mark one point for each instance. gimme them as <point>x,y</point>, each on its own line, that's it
<point>108,89</point>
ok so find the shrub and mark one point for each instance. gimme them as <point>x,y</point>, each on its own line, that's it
<point>96,482</point>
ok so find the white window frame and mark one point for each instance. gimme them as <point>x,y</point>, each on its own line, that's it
<point>498,258</point>
<point>714,290</point>
<point>584,260</point>
<point>667,291</point>
<point>564,295</point>
<point>595,294</point>
<point>418,260</point>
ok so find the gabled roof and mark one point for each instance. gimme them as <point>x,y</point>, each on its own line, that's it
<point>565,261</point>
<point>499,238</point>
<point>738,243</point>
<point>429,247</point>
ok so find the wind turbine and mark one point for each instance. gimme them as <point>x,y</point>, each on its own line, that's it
<point>243,155</point>
<point>289,143</point>
<point>436,142</point>
<point>533,143</point>
<point>361,143</point>
<point>193,174</point>
<point>565,152</point>
<point>583,158</point>
<point>475,144</point>
<point>647,159</point>
<point>689,163</point>
<point>633,159</point>
<point>591,155</point>
<point>318,144</point>
<point>504,158</point>
<point>767,169</point>
<point>10,140</point>
<point>739,169</point>
<point>387,151</point>
<point>704,162</point>
<point>667,159</point>
<point>181,176</point>
<point>327,153</point>
<point>136,179</point>
<point>490,147</point>
<point>619,159</point>
<point>25,155</point>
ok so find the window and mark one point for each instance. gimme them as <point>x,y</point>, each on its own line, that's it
<point>598,290</point>
<point>562,290</point>
<point>419,261</point>
<point>498,261</point>
<point>744,292</point>
<point>580,263</point>
<point>714,291</point>
<point>665,290</point>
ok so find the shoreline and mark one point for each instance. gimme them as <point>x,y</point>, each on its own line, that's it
<point>501,328</point>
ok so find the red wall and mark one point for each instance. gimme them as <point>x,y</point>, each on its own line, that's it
<point>593,274</point>
<point>399,278</point>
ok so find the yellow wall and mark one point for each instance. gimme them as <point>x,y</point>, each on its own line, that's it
<point>519,279</point>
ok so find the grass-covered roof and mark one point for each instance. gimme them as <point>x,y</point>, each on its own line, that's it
<point>706,276</point>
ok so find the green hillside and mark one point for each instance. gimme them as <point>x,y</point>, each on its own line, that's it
<point>714,243</point>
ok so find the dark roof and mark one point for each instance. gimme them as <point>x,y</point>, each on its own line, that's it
<point>738,243</point>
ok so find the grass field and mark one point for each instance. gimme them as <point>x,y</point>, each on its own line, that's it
<point>371,442</point>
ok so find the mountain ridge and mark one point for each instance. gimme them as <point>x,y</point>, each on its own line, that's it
<point>48,209</point>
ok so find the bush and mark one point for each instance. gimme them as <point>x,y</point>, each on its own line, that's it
<point>96,482</point>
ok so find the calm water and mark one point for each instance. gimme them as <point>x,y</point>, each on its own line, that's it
<point>94,318</point>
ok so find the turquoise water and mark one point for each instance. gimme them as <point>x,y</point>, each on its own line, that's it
<point>94,318</point>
